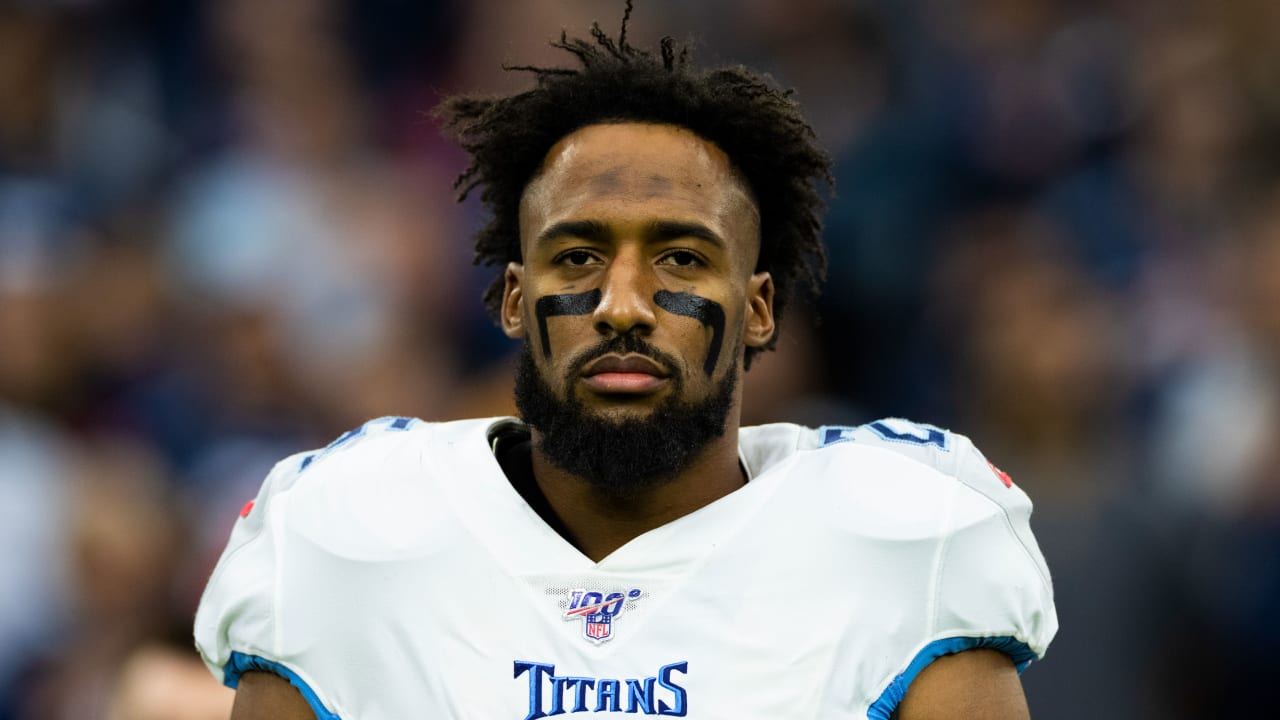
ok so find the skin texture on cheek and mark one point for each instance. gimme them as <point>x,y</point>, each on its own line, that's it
<point>571,304</point>
<point>707,312</point>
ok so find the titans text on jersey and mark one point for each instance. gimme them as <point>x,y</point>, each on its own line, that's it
<point>655,695</point>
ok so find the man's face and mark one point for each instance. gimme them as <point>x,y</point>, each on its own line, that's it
<point>637,287</point>
<point>636,299</point>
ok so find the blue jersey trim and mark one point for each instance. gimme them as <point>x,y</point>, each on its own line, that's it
<point>241,663</point>
<point>888,702</point>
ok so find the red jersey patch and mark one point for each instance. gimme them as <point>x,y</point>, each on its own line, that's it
<point>248,508</point>
<point>1004,476</point>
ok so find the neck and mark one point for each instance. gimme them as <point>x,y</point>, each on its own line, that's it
<point>598,523</point>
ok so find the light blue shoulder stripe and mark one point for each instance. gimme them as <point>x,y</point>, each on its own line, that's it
<point>883,707</point>
<point>241,663</point>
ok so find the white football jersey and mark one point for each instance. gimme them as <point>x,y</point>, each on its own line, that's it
<point>397,574</point>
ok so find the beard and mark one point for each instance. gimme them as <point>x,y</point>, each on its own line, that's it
<point>621,458</point>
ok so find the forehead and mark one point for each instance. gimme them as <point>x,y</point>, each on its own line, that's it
<point>638,171</point>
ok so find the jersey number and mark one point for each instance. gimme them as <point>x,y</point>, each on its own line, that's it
<point>382,424</point>
<point>912,433</point>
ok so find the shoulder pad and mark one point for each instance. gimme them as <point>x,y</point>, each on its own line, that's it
<point>950,453</point>
<point>379,427</point>
<point>953,455</point>
<point>290,471</point>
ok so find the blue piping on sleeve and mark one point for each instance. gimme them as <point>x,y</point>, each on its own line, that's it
<point>241,663</point>
<point>883,707</point>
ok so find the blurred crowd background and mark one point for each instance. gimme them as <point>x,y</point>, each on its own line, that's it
<point>227,233</point>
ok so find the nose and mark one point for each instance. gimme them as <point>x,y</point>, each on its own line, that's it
<point>626,297</point>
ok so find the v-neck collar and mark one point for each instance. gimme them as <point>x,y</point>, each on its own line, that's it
<point>500,519</point>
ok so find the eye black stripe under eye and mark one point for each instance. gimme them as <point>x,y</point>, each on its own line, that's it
<point>707,312</point>
<point>569,304</point>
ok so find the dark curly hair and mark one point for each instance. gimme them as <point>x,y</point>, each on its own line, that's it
<point>757,125</point>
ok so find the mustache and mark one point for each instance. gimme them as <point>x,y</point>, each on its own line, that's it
<point>625,344</point>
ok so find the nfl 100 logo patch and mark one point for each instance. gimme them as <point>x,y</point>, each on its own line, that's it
<point>596,610</point>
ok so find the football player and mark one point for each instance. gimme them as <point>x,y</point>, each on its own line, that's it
<point>625,547</point>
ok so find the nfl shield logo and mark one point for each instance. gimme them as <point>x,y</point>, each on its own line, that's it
<point>596,609</point>
<point>599,626</point>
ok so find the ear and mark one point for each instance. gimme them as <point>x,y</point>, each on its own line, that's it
<point>759,321</point>
<point>513,301</point>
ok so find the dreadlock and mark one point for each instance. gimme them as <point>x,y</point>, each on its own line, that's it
<point>758,126</point>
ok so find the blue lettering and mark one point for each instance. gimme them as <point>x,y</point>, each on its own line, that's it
<point>569,693</point>
<point>607,696</point>
<point>640,696</point>
<point>558,685</point>
<point>582,685</point>
<point>681,707</point>
<point>536,672</point>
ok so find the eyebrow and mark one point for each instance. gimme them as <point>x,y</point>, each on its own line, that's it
<point>672,229</point>
<point>659,230</point>
<point>585,229</point>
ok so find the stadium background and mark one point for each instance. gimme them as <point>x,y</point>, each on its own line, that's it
<point>227,233</point>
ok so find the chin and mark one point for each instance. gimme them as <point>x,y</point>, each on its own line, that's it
<point>622,444</point>
<point>588,398</point>
<point>621,412</point>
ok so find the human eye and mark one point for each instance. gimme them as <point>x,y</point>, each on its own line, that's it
<point>575,258</point>
<point>682,258</point>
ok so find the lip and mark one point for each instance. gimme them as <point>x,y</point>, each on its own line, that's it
<point>624,375</point>
<point>632,363</point>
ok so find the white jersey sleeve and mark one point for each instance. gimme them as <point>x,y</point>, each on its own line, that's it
<point>248,618</point>
<point>237,619</point>
<point>990,587</point>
